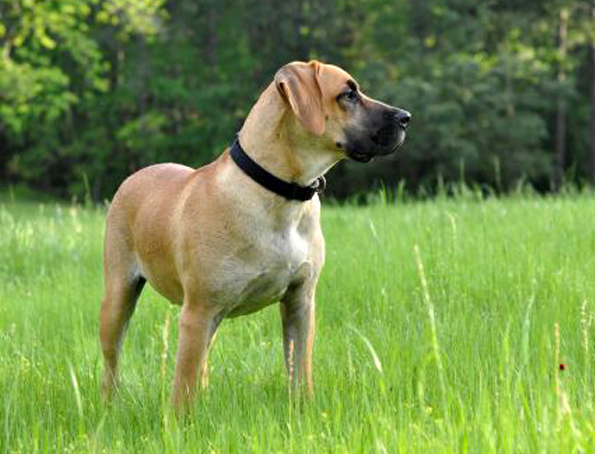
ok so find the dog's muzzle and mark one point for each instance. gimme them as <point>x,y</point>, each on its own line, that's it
<point>392,134</point>
<point>384,140</point>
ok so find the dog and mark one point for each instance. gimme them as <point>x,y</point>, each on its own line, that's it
<point>242,232</point>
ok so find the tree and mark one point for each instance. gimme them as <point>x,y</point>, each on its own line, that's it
<point>592,92</point>
<point>90,90</point>
<point>560,158</point>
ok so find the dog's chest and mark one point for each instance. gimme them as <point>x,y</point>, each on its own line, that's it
<point>263,270</point>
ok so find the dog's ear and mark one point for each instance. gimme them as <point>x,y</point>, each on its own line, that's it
<point>297,83</point>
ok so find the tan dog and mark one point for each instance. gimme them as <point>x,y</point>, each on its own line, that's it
<point>219,244</point>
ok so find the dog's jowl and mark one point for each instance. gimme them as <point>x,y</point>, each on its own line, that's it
<point>243,232</point>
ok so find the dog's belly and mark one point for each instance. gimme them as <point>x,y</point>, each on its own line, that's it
<point>164,284</point>
<point>266,288</point>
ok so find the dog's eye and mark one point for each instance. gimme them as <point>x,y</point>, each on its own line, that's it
<point>349,95</point>
<point>352,95</point>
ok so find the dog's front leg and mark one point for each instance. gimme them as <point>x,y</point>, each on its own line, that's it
<point>197,325</point>
<point>297,316</point>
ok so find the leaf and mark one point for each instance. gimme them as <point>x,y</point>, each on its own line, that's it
<point>47,42</point>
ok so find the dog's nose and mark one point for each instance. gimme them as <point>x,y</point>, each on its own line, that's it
<point>402,117</point>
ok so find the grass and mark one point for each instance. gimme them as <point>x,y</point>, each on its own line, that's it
<point>441,327</point>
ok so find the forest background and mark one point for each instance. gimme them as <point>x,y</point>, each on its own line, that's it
<point>502,91</point>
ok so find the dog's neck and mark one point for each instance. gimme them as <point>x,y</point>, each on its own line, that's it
<point>270,138</point>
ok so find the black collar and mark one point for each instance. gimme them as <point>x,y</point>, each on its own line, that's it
<point>291,191</point>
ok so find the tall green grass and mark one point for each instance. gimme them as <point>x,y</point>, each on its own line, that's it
<point>441,327</point>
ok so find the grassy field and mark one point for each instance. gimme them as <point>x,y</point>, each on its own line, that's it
<point>441,327</point>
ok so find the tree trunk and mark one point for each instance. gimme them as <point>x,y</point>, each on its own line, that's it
<point>592,119</point>
<point>212,42</point>
<point>560,157</point>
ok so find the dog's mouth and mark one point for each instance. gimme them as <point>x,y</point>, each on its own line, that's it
<point>383,142</point>
<point>386,137</point>
<point>361,156</point>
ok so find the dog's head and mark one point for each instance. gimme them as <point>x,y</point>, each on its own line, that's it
<point>327,103</point>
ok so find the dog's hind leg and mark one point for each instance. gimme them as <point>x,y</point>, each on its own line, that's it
<point>121,293</point>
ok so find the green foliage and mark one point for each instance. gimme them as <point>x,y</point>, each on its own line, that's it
<point>94,89</point>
